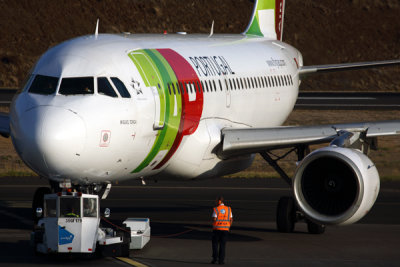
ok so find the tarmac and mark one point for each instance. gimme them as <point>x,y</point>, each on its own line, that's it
<point>180,218</point>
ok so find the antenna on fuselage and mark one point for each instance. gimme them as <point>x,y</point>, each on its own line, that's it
<point>96,32</point>
<point>212,30</point>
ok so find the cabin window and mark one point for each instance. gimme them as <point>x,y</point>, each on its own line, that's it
<point>182,88</point>
<point>186,87</point>
<point>44,85</point>
<point>211,87</point>
<point>215,86</point>
<point>207,89</point>
<point>195,87</point>
<point>234,83</point>
<point>177,88</point>
<point>220,85</point>
<point>70,207</point>
<point>77,86</point>
<point>105,88</point>
<point>89,207</point>
<point>120,87</point>
<point>230,84</point>
<point>50,207</point>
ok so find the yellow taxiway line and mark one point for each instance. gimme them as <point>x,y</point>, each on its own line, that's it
<point>131,262</point>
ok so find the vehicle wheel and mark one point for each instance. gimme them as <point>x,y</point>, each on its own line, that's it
<point>38,201</point>
<point>315,228</point>
<point>286,215</point>
<point>37,238</point>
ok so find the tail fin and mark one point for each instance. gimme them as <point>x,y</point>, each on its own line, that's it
<point>267,19</point>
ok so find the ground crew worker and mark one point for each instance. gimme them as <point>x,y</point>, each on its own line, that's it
<point>222,221</point>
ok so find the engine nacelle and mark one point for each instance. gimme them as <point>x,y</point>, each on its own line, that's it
<point>336,186</point>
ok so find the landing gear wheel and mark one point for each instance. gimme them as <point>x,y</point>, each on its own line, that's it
<point>38,201</point>
<point>315,228</point>
<point>286,215</point>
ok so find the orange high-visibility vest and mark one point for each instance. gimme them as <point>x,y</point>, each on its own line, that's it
<point>223,220</point>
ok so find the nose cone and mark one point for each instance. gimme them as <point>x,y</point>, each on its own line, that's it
<point>50,140</point>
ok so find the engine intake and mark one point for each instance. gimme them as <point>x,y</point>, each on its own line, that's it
<point>335,185</point>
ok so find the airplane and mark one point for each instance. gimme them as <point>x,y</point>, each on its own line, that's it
<point>112,107</point>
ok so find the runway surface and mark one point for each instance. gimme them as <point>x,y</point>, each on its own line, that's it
<point>309,100</point>
<point>185,207</point>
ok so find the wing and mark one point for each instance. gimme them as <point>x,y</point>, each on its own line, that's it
<point>305,70</point>
<point>253,140</point>
<point>4,124</point>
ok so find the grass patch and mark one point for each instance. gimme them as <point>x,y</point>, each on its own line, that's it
<point>15,173</point>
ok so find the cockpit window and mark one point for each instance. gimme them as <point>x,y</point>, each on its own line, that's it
<point>120,87</point>
<point>105,88</point>
<point>77,86</point>
<point>44,85</point>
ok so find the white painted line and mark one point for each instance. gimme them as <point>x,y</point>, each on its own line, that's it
<point>204,187</point>
<point>336,98</point>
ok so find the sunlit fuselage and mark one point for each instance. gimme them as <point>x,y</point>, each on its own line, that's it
<point>182,91</point>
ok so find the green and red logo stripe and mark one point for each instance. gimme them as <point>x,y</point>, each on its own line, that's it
<point>160,68</point>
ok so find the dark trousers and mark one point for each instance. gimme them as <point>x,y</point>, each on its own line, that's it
<point>219,239</point>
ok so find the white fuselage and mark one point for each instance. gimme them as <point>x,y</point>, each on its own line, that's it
<point>227,81</point>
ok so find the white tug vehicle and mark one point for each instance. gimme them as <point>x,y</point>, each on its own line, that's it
<point>70,222</point>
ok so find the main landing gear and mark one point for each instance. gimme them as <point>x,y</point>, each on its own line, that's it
<point>287,216</point>
<point>287,213</point>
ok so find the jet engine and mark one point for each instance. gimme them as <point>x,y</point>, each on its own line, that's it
<point>336,185</point>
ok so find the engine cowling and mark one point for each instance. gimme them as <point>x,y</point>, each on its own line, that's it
<point>336,186</point>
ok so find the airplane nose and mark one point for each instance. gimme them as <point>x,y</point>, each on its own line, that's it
<point>51,139</point>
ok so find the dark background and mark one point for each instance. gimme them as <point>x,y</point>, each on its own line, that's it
<point>326,32</point>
